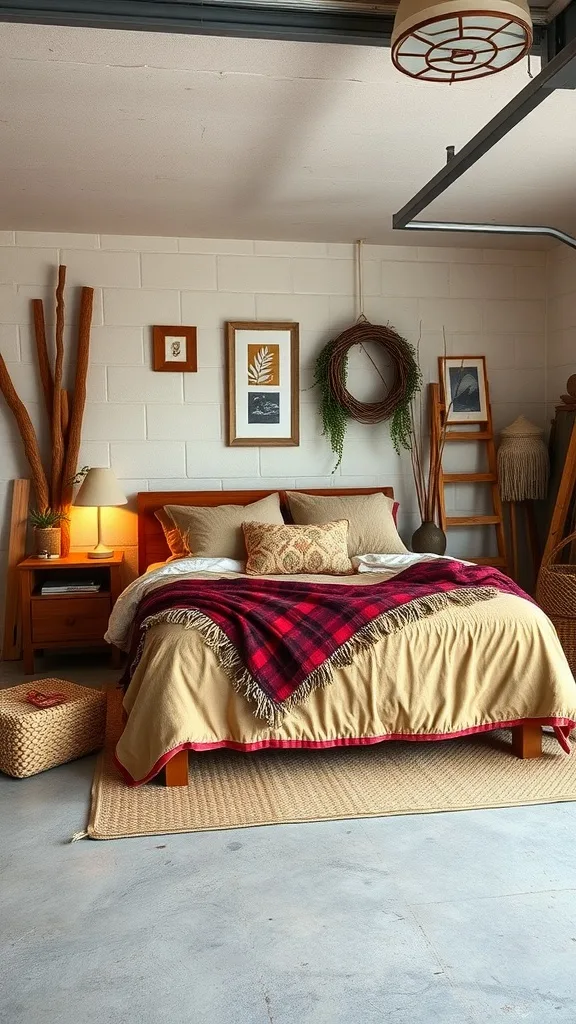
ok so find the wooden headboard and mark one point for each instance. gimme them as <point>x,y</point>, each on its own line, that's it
<point>152,545</point>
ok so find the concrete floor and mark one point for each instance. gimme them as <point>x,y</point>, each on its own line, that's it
<point>465,918</point>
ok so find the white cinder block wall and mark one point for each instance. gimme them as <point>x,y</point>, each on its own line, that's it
<point>162,430</point>
<point>561,323</point>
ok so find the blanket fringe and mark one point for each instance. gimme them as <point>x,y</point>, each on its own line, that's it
<point>243,681</point>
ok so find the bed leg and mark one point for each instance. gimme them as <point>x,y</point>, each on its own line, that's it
<point>176,769</point>
<point>527,740</point>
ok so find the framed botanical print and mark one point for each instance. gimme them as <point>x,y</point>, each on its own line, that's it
<point>174,349</point>
<point>263,383</point>
<point>464,388</point>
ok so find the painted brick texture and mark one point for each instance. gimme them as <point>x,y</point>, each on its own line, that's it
<point>166,430</point>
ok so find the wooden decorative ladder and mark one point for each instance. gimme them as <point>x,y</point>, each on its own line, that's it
<point>483,435</point>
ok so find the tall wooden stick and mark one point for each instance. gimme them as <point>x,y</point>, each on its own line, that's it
<point>65,420</point>
<point>28,435</point>
<point>75,428</point>
<point>42,354</point>
<point>57,439</point>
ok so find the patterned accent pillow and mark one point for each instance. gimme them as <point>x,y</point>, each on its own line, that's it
<point>287,550</point>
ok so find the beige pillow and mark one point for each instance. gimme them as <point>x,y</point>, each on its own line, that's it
<point>285,550</point>
<point>371,528</point>
<point>216,532</point>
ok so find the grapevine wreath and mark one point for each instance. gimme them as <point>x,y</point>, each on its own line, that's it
<point>338,405</point>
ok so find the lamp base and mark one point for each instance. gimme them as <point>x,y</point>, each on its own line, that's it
<point>100,551</point>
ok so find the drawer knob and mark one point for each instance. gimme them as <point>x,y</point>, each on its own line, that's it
<point>71,619</point>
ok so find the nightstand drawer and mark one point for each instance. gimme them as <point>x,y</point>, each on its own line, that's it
<point>66,618</point>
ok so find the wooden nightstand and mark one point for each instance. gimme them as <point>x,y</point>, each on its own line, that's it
<point>51,621</point>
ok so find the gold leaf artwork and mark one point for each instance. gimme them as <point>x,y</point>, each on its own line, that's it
<point>264,365</point>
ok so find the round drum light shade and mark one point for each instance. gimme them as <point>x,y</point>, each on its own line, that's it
<point>449,42</point>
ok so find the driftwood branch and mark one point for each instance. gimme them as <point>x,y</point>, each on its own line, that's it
<point>28,434</point>
<point>57,439</point>
<point>65,415</point>
<point>65,411</point>
<point>42,354</point>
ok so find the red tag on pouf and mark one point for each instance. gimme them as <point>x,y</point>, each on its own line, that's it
<point>45,700</point>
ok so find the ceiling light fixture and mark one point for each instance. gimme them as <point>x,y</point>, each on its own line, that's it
<point>458,40</point>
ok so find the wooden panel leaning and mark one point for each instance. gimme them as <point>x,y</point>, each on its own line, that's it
<point>12,644</point>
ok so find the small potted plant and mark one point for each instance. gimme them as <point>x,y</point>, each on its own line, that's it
<point>47,533</point>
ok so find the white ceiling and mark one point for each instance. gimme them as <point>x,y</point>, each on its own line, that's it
<point>141,133</point>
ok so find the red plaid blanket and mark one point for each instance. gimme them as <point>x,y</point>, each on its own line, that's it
<point>279,640</point>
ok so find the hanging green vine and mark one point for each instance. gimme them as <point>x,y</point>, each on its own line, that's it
<point>401,422</point>
<point>334,415</point>
<point>338,405</point>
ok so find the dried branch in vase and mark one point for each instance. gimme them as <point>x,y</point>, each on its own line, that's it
<point>426,463</point>
<point>426,453</point>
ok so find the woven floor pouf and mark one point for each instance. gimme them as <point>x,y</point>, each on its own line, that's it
<point>33,739</point>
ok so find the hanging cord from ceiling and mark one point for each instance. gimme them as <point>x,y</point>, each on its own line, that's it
<point>338,405</point>
<point>359,273</point>
<point>361,317</point>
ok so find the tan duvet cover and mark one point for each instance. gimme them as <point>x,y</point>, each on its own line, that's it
<point>461,670</point>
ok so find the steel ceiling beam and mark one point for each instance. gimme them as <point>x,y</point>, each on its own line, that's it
<point>491,229</point>
<point>558,73</point>
<point>258,21</point>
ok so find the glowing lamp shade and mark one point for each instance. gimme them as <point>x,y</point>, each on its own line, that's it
<point>453,41</point>
<point>100,489</point>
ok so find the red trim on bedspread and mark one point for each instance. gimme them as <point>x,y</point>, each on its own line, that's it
<point>562,729</point>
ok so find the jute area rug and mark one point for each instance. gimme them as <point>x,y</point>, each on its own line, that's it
<point>233,790</point>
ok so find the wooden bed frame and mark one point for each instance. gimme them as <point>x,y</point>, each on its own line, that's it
<point>152,547</point>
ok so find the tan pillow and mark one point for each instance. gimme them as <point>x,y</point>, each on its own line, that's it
<point>217,532</point>
<point>172,535</point>
<point>371,529</point>
<point>285,550</point>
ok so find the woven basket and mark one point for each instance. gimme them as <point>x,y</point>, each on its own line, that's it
<point>556,595</point>
<point>34,739</point>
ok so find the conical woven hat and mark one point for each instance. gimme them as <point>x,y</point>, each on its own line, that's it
<point>522,428</point>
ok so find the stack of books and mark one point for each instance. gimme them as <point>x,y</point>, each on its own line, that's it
<point>70,587</point>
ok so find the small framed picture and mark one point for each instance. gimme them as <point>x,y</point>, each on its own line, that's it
<point>263,396</point>
<point>174,349</point>
<point>464,388</point>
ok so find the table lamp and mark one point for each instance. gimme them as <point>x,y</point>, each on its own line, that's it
<point>100,489</point>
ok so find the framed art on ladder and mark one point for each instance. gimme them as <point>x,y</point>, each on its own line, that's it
<point>464,388</point>
<point>263,383</point>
